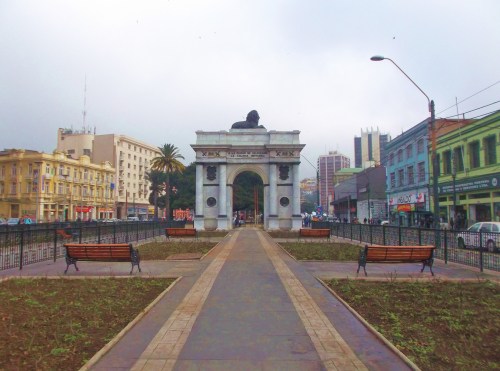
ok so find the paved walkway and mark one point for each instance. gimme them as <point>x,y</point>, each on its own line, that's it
<point>249,306</point>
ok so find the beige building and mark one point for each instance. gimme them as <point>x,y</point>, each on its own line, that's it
<point>49,187</point>
<point>130,158</point>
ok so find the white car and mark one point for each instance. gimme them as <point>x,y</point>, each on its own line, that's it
<point>489,232</point>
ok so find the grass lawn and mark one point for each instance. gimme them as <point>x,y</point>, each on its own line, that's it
<point>162,250</point>
<point>322,251</point>
<point>438,325</point>
<point>59,324</point>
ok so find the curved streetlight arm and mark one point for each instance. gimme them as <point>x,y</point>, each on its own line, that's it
<point>380,58</point>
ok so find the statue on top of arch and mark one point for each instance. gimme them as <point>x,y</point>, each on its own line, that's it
<point>252,122</point>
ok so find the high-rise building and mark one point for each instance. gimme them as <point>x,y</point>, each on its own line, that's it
<point>130,157</point>
<point>369,148</point>
<point>327,166</point>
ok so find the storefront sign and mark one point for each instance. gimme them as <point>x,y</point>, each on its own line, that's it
<point>406,207</point>
<point>84,209</point>
<point>471,184</point>
<point>407,198</point>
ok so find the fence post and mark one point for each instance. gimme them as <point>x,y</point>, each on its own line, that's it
<point>371,233</point>
<point>126,231</point>
<point>399,235</point>
<point>480,251</point>
<point>55,243</point>
<point>114,232</point>
<point>137,231</point>
<point>21,250</point>
<point>419,236</point>
<point>383,235</point>
<point>350,226</point>
<point>98,233</point>
<point>445,247</point>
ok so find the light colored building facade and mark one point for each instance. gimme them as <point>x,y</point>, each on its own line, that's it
<point>131,159</point>
<point>469,181</point>
<point>54,187</point>
<point>369,148</point>
<point>328,165</point>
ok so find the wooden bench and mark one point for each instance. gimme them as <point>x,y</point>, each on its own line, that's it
<point>107,252</point>
<point>314,233</point>
<point>396,254</point>
<point>181,232</point>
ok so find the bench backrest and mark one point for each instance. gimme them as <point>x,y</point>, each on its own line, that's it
<point>87,251</point>
<point>398,253</point>
<point>180,231</point>
<point>314,232</point>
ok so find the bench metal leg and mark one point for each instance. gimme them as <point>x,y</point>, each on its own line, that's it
<point>70,261</point>
<point>135,259</point>
<point>428,263</point>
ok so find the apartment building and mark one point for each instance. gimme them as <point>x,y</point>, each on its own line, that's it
<point>54,187</point>
<point>328,165</point>
<point>131,160</point>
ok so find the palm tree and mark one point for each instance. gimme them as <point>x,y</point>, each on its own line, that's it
<point>157,184</point>
<point>168,163</point>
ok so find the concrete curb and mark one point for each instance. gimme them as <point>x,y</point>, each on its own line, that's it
<point>93,361</point>
<point>405,359</point>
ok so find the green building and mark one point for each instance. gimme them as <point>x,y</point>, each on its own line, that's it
<point>469,168</point>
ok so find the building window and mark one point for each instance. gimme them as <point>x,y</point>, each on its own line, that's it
<point>2,189</point>
<point>420,146</point>
<point>490,152</point>
<point>438,162</point>
<point>421,172</point>
<point>409,151</point>
<point>447,162</point>
<point>401,177</point>
<point>410,175</point>
<point>458,159</point>
<point>400,155</point>
<point>391,159</point>
<point>86,152</point>
<point>13,188</point>
<point>474,161</point>
<point>393,180</point>
<point>14,170</point>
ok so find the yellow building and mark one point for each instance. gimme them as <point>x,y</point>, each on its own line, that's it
<point>49,187</point>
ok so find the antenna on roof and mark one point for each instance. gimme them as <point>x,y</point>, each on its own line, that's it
<point>84,102</point>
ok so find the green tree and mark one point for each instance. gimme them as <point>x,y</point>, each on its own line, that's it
<point>157,185</point>
<point>185,184</point>
<point>243,191</point>
<point>167,162</point>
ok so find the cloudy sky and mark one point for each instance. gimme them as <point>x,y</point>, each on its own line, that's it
<point>160,70</point>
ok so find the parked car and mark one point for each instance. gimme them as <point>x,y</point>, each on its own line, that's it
<point>489,232</point>
<point>13,221</point>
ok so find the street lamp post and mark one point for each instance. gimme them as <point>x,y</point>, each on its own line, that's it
<point>432,132</point>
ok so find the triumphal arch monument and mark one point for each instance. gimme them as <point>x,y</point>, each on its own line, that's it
<point>222,155</point>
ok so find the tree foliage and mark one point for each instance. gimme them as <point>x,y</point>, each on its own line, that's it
<point>167,162</point>
<point>243,191</point>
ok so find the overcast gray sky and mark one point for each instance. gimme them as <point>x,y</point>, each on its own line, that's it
<point>160,70</point>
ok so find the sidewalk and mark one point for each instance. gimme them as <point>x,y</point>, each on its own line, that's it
<point>249,306</point>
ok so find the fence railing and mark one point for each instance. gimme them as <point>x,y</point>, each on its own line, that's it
<point>476,249</point>
<point>23,245</point>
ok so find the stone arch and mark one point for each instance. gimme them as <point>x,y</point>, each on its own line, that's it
<point>258,169</point>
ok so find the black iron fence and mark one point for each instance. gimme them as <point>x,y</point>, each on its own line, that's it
<point>27,244</point>
<point>476,249</point>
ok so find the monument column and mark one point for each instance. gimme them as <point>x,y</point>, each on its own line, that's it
<point>198,219</point>
<point>222,217</point>
<point>273,221</point>
<point>296,217</point>
<point>296,191</point>
<point>272,191</point>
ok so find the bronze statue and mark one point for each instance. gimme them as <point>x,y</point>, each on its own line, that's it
<point>252,122</point>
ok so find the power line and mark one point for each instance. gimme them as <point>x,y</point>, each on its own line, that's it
<point>463,100</point>
<point>475,109</point>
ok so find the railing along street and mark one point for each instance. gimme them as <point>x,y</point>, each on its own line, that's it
<point>27,244</point>
<point>476,249</point>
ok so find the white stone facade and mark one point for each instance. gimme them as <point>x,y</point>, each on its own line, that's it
<point>222,155</point>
